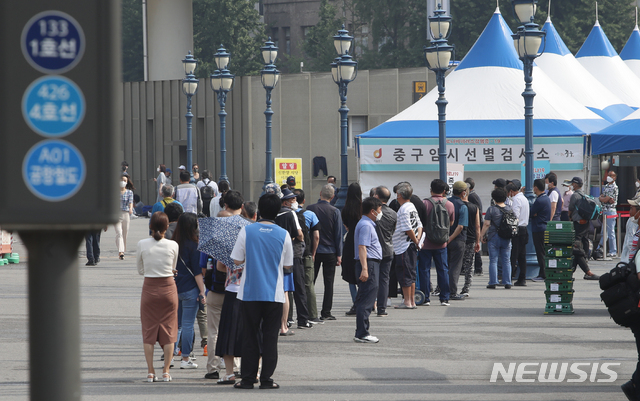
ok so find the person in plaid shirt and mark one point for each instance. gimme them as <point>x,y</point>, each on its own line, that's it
<point>609,200</point>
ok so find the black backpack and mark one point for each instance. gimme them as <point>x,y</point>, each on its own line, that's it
<point>588,207</point>
<point>207,192</point>
<point>508,227</point>
<point>438,223</point>
<point>621,294</point>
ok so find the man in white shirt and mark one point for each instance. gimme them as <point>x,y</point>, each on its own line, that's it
<point>520,207</point>
<point>188,194</point>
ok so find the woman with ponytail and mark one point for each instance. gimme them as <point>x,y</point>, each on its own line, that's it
<point>157,258</point>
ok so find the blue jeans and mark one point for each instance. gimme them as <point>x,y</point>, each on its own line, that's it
<point>187,310</point>
<point>499,248</point>
<point>611,232</point>
<point>442,270</point>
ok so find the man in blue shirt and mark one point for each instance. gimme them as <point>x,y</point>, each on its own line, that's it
<point>457,239</point>
<point>540,214</point>
<point>261,290</point>
<point>368,254</point>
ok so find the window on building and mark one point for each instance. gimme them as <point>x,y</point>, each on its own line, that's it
<point>361,40</point>
<point>287,39</point>
<point>305,31</point>
<point>357,125</point>
<point>274,36</point>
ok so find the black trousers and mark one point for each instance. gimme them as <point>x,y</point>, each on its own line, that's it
<point>538,243</point>
<point>582,231</point>
<point>328,262</point>
<point>636,375</point>
<point>383,283</point>
<point>260,317</point>
<point>478,262</point>
<point>300,292</point>
<point>519,253</point>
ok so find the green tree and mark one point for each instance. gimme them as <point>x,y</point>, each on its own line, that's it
<point>132,60</point>
<point>318,44</point>
<point>233,23</point>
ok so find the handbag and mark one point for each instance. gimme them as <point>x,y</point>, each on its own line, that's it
<point>200,298</point>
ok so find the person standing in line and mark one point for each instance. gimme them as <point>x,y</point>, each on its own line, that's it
<point>126,210</point>
<point>385,227</point>
<point>261,291</point>
<point>406,240</point>
<point>475,199</point>
<point>329,251</point>
<point>457,239</point>
<point>499,248</point>
<point>472,245</point>
<point>156,259</point>
<point>161,180</point>
<point>553,192</point>
<point>566,199</point>
<point>581,228</point>
<point>188,195</point>
<point>609,200</point>
<point>540,214</point>
<point>216,203</point>
<point>520,207</point>
<point>351,215</point>
<point>196,175</point>
<point>368,254</point>
<point>632,228</point>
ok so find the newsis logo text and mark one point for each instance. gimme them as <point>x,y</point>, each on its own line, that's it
<point>543,372</point>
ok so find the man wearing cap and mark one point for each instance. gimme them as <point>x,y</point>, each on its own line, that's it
<point>581,228</point>
<point>628,248</point>
<point>520,207</point>
<point>291,182</point>
<point>609,200</point>
<point>498,183</point>
<point>457,238</point>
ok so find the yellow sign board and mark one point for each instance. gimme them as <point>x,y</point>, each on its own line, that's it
<point>288,167</point>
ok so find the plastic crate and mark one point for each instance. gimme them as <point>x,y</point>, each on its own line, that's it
<point>558,240</point>
<point>558,263</point>
<point>558,251</point>
<point>558,308</point>
<point>560,226</point>
<point>559,285</point>
<point>559,296</point>
<point>559,274</point>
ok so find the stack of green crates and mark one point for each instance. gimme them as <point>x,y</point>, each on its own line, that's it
<point>558,259</point>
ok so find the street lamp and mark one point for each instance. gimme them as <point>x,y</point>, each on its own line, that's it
<point>222,83</point>
<point>527,41</point>
<point>438,56</point>
<point>189,88</point>
<point>343,70</point>
<point>269,76</point>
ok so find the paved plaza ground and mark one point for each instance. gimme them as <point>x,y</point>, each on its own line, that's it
<point>432,353</point>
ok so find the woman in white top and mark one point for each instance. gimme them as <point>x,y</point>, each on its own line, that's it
<point>157,258</point>
<point>160,181</point>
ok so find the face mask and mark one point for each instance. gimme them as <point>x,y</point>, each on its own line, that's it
<point>123,184</point>
<point>379,216</point>
<point>546,187</point>
<point>158,169</point>
<point>609,179</point>
<point>294,205</point>
<point>195,170</point>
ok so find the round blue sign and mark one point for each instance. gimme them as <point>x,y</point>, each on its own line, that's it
<point>52,42</point>
<point>53,106</point>
<point>54,170</point>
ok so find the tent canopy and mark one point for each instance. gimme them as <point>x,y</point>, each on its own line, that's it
<point>619,137</point>
<point>631,52</point>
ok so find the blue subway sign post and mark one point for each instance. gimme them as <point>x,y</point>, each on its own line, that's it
<point>59,144</point>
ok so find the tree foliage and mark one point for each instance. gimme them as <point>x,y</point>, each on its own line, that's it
<point>318,44</point>
<point>233,23</point>
<point>132,61</point>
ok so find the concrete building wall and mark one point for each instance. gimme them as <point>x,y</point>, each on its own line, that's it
<point>306,123</point>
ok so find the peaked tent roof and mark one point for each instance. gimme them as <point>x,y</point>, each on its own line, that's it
<point>619,137</point>
<point>631,52</point>
<point>599,57</point>
<point>560,65</point>
<point>484,94</point>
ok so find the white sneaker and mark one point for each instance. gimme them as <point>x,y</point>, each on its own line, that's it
<point>366,339</point>
<point>445,303</point>
<point>188,365</point>
<point>427,303</point>
<point>388,302</point>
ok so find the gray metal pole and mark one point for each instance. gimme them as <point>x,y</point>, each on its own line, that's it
<point>54,314</point>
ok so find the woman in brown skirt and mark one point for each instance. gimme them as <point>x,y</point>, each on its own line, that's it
<point>156,258</point>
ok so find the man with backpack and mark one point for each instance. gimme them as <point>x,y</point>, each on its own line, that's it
<point>440,217</point>
<point>457,238</point>
<point>500,225</point>
<point>208,190</point>
<point>581,228</point>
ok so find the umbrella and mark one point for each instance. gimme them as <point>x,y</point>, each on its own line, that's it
<point>218,236</point>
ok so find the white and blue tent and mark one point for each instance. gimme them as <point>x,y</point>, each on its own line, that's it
<point>599,57</point>
<point>619,137</point>
<point>485,122</point>
<point>560,65</point>
<point>630,54</point>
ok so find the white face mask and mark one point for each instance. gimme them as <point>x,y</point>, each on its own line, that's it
<point>158,169</point>
<point>637,184</point>
<point>609,179</point>
<point>123,184</point>
<point>546,187</point>
<point>294,205</point>
<point>379,216</point>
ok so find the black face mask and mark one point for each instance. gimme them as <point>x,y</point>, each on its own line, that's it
<point>195,170</point>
